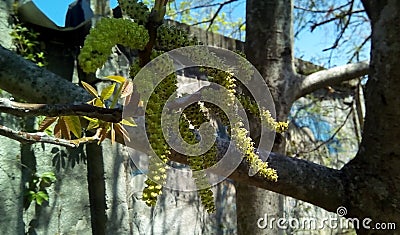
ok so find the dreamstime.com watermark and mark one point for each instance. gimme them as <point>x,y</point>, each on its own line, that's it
<point>332,222</point>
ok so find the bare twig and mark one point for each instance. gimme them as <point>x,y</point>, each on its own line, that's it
<point>322,11</point>
<point>359,48</point>
<point>212,19</point>
<point>329,139</point>
<point>31,138</point>
<point>198,7</point>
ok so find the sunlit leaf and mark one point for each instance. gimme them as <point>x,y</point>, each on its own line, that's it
<point>90,89</point>
<point>41,196</point>
<point>128,121</point>
<point>74,124</point>
<point>49,176</point>
<point>93,125</point>
<point>116,78</point>
<point>99,103</point>
<point>46,123</point>
<point>107,92</point>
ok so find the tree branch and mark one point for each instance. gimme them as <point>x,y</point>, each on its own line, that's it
<point>297,178</point>
<point>25,80</point>
<point>327,77</point>
<point>32,138</point>
<point>300,179</point>
<point>24,110</point>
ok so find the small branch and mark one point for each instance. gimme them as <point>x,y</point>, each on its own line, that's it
<point>359,48</point>
<point>198,7</point>
<point>212,19</point>
<point>327,77</point>
<point>322,11</point>
<point>24,110</point>
<point>330,138</point>
<point>32,138</point>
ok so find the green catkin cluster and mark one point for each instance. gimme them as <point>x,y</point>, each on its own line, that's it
<point>226,80</point>
<point>197,163</point>
<point>265,115</point>
<point>170,37</point>
<point>107,33</point>
<point>237,131</point>
<point>138,11</point>
<point>157,165</point>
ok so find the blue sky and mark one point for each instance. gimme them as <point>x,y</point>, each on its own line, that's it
<point>308,45</point>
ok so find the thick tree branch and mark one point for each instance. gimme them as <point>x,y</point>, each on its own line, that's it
<point>297,178</point>
<point>24,110</point>
<point>301,179</point>
<point>327,77</point>
<point>25,80</point>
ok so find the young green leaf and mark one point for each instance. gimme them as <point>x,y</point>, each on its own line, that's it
<point>74,124</point>
<point>41,196</point>
<point>107,92</point>
<point>128,121</point>
<point>99,103</point>
<point>118,79</point>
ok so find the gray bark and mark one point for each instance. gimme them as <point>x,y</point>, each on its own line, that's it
<point>269,45</point>
<point>25,80</point>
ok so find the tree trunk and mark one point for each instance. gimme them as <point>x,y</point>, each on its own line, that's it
<point>373,179</point>
<point>268,47</point>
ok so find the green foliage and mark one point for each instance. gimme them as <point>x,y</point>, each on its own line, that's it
<point>135,10</point>
<point>27,45</point>
<point>107,33</point>
<point>196,116</point>
<point>170,37</point>
<point>157,170</point>
<point>36,190</point>
<point>65,125</point>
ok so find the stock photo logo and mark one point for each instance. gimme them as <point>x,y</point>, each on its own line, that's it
<point>207,124</point>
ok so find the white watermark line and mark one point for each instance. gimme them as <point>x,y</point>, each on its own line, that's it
<point>332,222</point>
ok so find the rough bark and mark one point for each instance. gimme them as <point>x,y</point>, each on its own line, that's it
<point>25,80</point>
<point>269,45</point>
<point>373,178</point>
